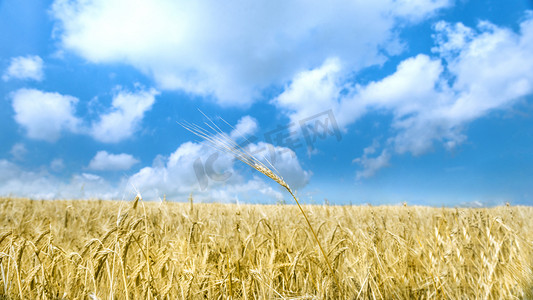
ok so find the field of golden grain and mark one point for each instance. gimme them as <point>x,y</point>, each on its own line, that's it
<point>138,250</point>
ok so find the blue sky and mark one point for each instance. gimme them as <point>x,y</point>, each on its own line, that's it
<point>424,101</point>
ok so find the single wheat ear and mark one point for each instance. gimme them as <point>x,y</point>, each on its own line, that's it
<point>223,142</point>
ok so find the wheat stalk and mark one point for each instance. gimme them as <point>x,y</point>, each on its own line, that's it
<point>223,142</point>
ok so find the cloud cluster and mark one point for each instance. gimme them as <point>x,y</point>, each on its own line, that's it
<point>104,161</point>
<point>232,50</point>
<point>175,177</point>
<point>472,72</point>
<point>246,126</point>
<point>191,167</point>
<point>372,164</point>
<point>218,176</point>
<point>43,185</point>
<point>25,67</point>
<point>45,115</point>
<point>123,120</point>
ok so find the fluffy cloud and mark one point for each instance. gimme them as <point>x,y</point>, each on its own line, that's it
<point>25,67</point>
<point>431,98</point>
<point>246,126</point>
<point>311,92</point>
<point>284,161</point>
<point>183,171</point>
<point>371,164</point>
<point>45,115</point>
<point>416,10</point>
<point>104,161</point>
<point>42,185</point>
<point>127,112</point>
<point>493,69</point>
<point>233,50</point>
<point>216,176</point>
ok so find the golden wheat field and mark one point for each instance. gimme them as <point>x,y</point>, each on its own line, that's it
<point>146,250</point>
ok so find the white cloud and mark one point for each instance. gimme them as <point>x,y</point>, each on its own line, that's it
<point>313,91</point>
<point>175,176</point>
<point>413,94</point>
<point>18,151</point>
<point>372,164</point>
<point>127,112</point>
<point>217,176</point>
<point>416,10</point>
<point>254,190</point>
<point>183,171</point>
<point>104,161</point>
<point>14,181</point>
<point>491,71</point>
<point>246,126</point>
<point>45,115</point>
<point>233,50</point>
<point>284,161</point>
<point>473,72</point>
<point>25,67</point>
<point>451,38</point>
<point>90,177</point>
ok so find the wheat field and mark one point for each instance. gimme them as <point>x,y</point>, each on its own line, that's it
<point>146,250</point>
